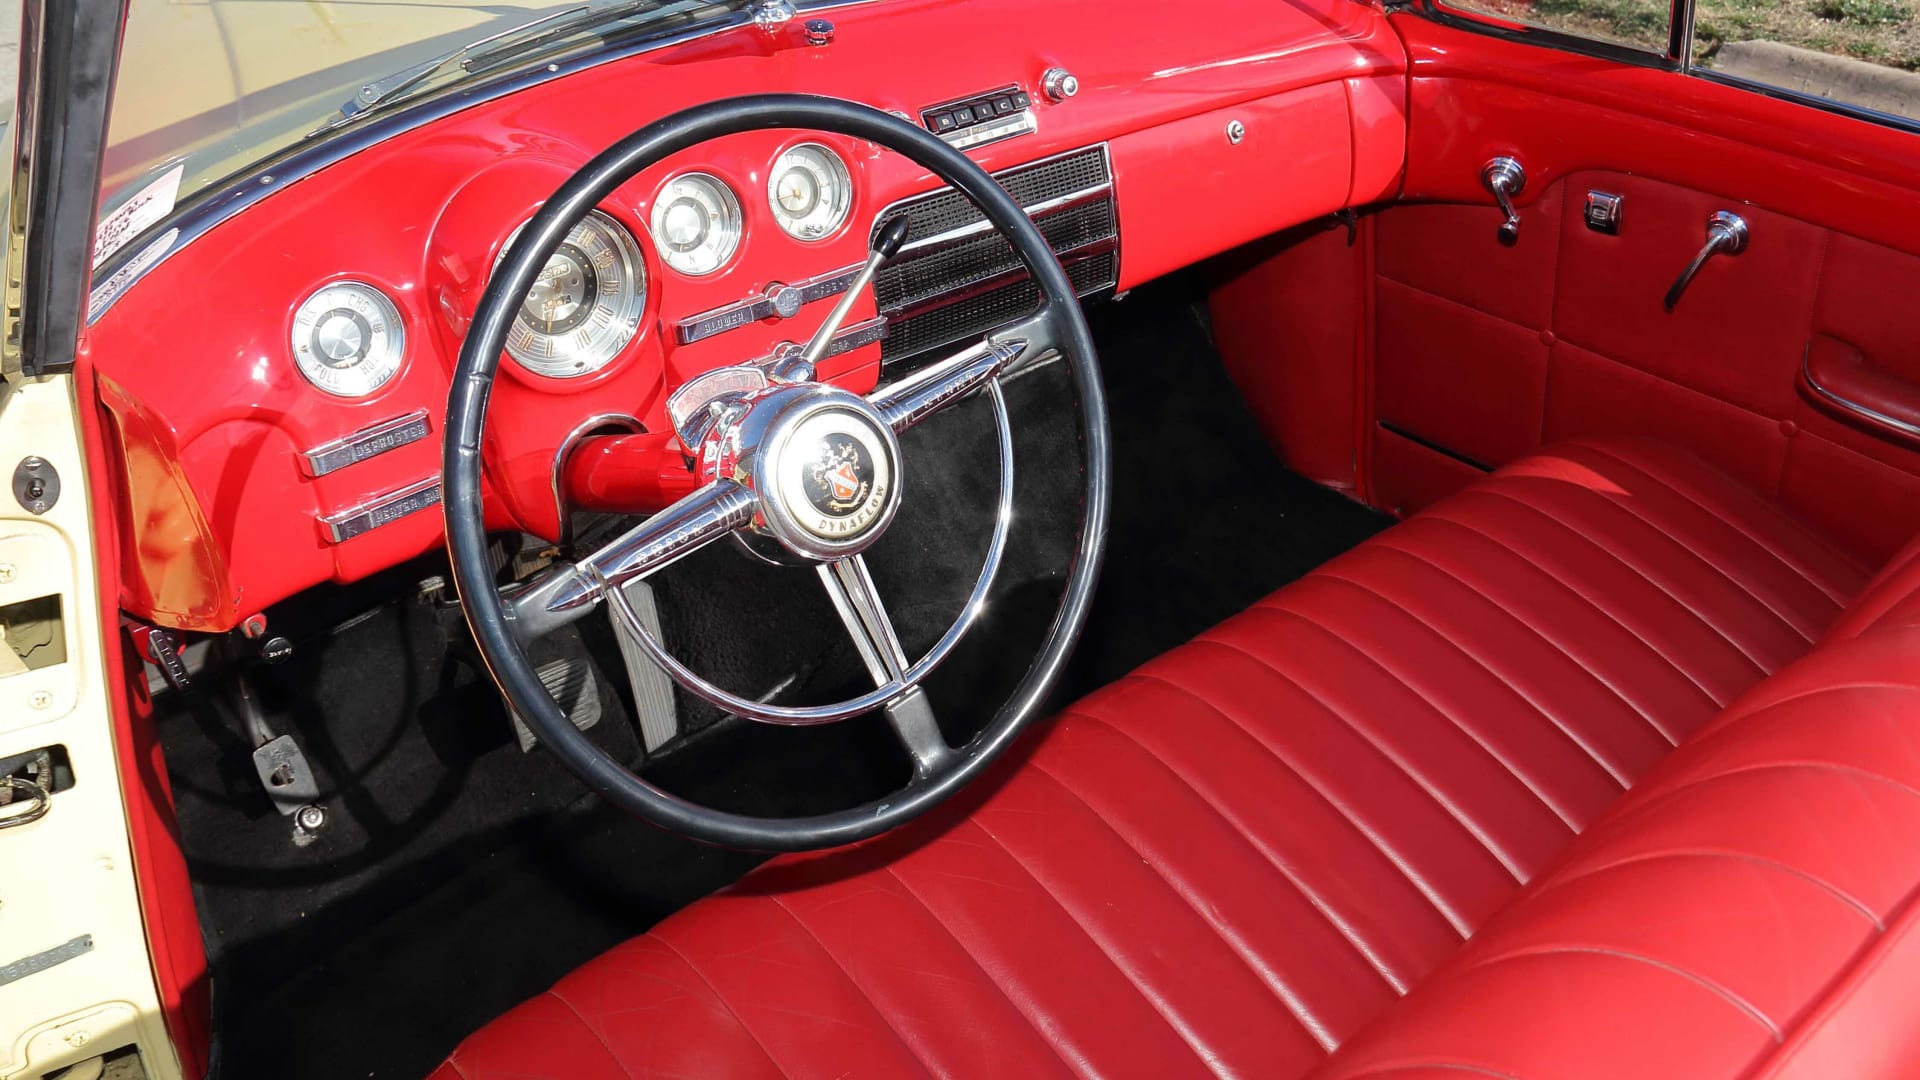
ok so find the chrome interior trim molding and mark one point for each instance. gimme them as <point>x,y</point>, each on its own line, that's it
<point>1036,211</point>
<point>202,212</point>
<point>776,301</point>
<point>381,510</point>
<point>592,425</point>
<point>1852,406</point>
<point>368,442</point>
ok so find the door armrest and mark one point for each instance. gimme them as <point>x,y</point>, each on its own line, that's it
<point>1838,379</point>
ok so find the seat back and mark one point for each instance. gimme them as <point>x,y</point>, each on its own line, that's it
<point>1747,909</point>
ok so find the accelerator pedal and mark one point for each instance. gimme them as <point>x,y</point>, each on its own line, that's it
<point>571,683</point>
<point>652,689</point>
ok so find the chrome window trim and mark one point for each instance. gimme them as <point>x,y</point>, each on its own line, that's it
<point>205,210</point>
<point>1677,58</point>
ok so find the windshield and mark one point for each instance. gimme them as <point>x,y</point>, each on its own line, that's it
<point>208,87</point>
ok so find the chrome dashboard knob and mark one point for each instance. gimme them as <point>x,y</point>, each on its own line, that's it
<point>1059,84</point>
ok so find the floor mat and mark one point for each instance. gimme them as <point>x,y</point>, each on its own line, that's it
<point>460,877</point>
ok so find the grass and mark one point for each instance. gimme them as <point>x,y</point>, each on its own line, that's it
<point>1879,31</point>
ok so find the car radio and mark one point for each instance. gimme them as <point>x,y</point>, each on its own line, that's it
<point>982,118</point>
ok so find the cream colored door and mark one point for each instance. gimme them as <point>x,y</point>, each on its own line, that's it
<point>76,977</point>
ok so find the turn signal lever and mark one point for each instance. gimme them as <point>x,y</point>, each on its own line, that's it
<point>1504,177</point>
<point>1726,235</point>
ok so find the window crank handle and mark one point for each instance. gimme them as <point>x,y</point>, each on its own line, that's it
<point>1726,235</point>
<point>1504,177</point>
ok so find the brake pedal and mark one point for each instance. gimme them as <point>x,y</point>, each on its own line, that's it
<point>570,682</point>
<point>652,689</point>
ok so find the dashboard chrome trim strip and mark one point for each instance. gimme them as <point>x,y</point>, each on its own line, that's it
<point>202,212</point>
<point>776,301</point>
<point>857,336</point>
<point>1038,210</point>
<point>381,510</point>
<point>1018,272</point>
<point>370,441</point>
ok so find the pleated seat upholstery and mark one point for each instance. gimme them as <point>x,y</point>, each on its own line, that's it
<point>1265,843</point>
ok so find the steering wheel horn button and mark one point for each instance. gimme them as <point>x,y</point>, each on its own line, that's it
<point>835,479</point>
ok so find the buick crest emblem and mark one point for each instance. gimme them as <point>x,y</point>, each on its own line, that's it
<point>837,481</point>
<point>840,477</point>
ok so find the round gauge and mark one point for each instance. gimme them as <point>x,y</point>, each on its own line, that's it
<point>809,191</point>
<point>696,223</point>
<point>348,338</point>
<point>585,305</point>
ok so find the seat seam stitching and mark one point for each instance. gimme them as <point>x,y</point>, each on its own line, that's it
<point>1738,527</point>
<point>1291,1001</point>
<point>1538,633</point>
<point>1347,933</point>
<point>1447,915</point>
<point>886,1020</point>
<point>1459,816</point>
<point>721,998</point>
<point>1627,506</point>
<point>1835,983</point>
<point>1038,1032</point>
<point>1649,579</point>
<point>1428,701</point>
<point>1717,989</point>
<point>1647,802</point>
<point>1178,1027</point>
<point>1552,719</point>
<point>1738,721</point>
<point>1562,879</point>
<point>1588,601</point>
<point>555,993</point>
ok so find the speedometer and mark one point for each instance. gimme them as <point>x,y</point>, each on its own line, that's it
<point>348,339</point>
<point>696,223</point>
<point>585,305</point>
<point>809,191</point>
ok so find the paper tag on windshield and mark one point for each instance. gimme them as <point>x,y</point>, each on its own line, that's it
<point>151,204</point>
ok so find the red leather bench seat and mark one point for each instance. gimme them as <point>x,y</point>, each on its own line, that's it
<point>1309,828</point>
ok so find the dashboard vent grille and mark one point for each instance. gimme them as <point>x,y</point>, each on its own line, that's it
<point>957,278</point>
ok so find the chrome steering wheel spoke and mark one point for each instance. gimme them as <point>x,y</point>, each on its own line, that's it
<point>938,385</point>
<point>568,592</point>
<point>850,586</point>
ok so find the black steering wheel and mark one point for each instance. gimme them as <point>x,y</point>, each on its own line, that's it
<point>806,470</point>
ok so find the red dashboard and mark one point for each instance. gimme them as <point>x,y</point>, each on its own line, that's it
<point>217,427</point>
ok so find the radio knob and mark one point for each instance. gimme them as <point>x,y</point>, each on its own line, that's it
<point>1059,83</point>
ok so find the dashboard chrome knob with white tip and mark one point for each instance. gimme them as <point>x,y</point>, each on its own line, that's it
<point>1059,83</point>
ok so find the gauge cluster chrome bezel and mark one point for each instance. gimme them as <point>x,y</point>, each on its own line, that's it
<point>589,348</point>
<point>813,226</point>
<point>722,203</point>
<point>385,329</point>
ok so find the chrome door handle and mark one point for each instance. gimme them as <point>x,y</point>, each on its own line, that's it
<point>1726,235</point>
<point>1504,177</point>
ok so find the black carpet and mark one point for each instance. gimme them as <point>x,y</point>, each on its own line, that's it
<point>459,876</point>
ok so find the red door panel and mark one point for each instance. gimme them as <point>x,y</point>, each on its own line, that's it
<point>1481,352</point>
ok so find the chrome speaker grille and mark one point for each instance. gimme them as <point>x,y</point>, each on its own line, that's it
<point>957,277</point>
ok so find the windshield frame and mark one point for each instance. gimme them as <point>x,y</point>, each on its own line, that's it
<point>69,59</point>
